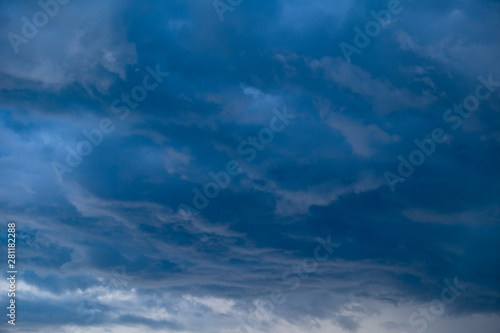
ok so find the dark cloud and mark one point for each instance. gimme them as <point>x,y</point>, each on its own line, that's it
<point>109,249</point>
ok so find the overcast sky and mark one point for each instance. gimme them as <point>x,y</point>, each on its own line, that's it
<point>240,165</point>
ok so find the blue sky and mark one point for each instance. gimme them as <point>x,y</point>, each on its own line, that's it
<point>149,231</point>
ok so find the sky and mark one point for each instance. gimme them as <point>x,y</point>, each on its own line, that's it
<point>251,166</point>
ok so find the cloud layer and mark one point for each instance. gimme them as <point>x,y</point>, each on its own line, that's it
<point>106,244</point>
